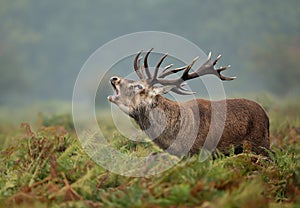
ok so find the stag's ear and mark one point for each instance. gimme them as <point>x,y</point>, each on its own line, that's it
<point>163,89</point>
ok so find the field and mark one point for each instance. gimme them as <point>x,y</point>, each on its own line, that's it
<point>42,164</point>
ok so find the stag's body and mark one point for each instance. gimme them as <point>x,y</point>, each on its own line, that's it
<point>183,128</point>
<point>246,123</point>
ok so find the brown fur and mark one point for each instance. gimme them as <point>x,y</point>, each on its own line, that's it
<point>246,122</point>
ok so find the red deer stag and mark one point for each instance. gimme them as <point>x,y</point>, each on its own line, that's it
<point>181,128</point>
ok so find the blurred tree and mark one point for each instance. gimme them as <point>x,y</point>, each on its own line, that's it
<point>13,80</point>
<point>277,64</point>
<point>50,40</point>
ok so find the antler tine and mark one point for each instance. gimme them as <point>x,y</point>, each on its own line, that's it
<point>219,70</point>
<point>137,67</point>
<point>167,67</point>
<point>177,82</point>
<point>223,68</point>
<point>186,75</point>
<point>209,55</point>
<point>182,91</point>
<point>139,61</point>
<point>217,59</point>
<point>154,78</point>
<point>146,64</point>
<point>165,73</point>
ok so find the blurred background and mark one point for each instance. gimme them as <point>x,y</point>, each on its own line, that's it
<point>43,44</point>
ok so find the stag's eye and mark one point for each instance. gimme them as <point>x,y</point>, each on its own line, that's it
<point>139,86</point>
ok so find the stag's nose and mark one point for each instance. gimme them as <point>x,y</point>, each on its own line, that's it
<point>114,80</point>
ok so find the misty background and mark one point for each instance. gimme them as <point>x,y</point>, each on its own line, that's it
<point>43,44</point>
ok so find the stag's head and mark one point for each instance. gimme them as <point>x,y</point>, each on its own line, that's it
<point>130,95</point>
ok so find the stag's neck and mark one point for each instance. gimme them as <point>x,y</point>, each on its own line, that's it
<point>161,110</point>
<point>169,124</point>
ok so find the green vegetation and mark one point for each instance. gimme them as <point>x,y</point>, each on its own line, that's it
<point>47,167</point>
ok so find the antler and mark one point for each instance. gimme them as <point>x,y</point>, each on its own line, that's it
<point>137,67</point>
<point>207,68</point>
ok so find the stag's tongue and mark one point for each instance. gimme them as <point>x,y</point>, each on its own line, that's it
<point>116,91</point>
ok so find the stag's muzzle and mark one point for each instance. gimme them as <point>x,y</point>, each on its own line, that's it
<point>114,81</point>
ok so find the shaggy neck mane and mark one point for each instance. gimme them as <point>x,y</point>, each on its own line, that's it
<point>159,106</point>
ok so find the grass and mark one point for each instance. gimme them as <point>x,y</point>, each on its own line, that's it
<point>47,167</point>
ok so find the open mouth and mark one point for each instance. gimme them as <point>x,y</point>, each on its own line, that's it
<point>114,97</point>
<point>115,89</point>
